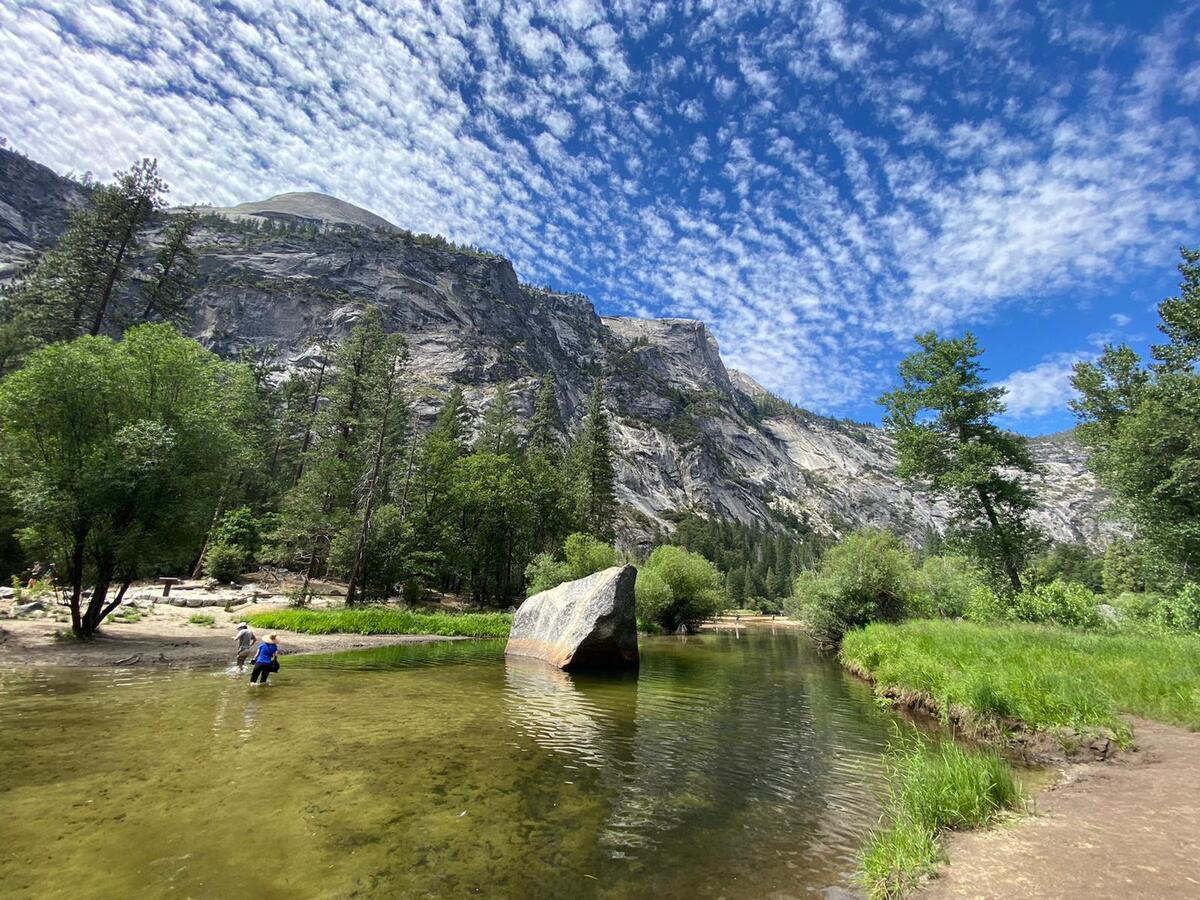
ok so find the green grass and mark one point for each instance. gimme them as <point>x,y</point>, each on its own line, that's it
<point>1048,678</point>
<point>379,620</point>
<point>935,788</point>
<point>201,619</point>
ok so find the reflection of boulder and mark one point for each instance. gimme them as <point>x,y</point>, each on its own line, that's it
<point>545,704</point>
<point>589,623</point>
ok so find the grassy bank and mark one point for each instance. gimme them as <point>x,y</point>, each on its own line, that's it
<point>934,789</point>
<point>1049,678</point>
<point>379,620</point>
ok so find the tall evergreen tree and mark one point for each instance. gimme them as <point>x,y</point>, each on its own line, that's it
<point>594,473</point>
<point>72,289</point>
<point>546,425</point>
<point>497,435</point>
<point>174,276</point>
<point>941,416</point>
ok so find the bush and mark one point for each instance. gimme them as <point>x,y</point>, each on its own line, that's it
<point>545,572</point>
<point>868,577</point>
<point>583,555</point>
<point>201,619</point>
<point>224,562</point>
<point>946,585</point>
<point>693,589</point>
<point>985,606</point>
<point>1181,612</point>
<point>1060,602</point>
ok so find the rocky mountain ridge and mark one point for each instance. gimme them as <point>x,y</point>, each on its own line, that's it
<point>690,433</point>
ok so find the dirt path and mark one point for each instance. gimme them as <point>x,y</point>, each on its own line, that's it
<point>163,637</point>
<point>1124,829</point>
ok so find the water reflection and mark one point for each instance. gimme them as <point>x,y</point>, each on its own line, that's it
<point>736,765</point>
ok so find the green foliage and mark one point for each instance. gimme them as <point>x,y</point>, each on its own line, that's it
<point>1122,569</point>
<point>239,528</point>
<point>592,471</point>
<point>693,589</point>
<point>985,606</point>
<point>1069,562</point>
<point>1182,611</point>
<point>946,585</point>
<point>116,451</point>
<point>380,620</point>
<point>224,562</point>
<point>755,561</point>
<point>1049,678</point>
<point>868,577</point>
<point>1059,602</point>
<point>202,619</point>
<point>582,556</point>
<point>941,416</point>
<point>934,789</point>
<point>1141,424</point>
<point>74,287</point>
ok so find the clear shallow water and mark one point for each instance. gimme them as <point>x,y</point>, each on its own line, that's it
<point>731,767</point>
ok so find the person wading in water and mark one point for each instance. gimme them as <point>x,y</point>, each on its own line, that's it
<point>245,640</point>
<point>265,662</point>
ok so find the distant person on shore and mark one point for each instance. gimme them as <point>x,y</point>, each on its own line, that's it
<point>265,662</point>
<point>245,640</point>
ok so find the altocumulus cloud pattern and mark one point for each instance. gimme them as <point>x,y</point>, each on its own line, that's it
<point>816,180</point>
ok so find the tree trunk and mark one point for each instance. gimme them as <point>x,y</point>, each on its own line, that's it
<point>75,576</point>
<point>357,571</point>
<point>312,415</point>
<point>1009,564</point>
<point>111,281</point>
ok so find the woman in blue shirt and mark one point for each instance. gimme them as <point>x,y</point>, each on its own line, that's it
<point>264,662</point>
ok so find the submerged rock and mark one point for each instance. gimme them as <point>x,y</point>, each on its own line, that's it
<point>590,623</point>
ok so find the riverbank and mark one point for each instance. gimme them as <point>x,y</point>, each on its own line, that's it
<point>162,635</point>
<point>1125,827</point>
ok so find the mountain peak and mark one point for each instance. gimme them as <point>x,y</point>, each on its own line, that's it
<point>305,206</point>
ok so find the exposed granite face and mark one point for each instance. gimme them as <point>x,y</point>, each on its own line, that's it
<point>690,433</point>
<point>586,624</point>
<point>34,206</point>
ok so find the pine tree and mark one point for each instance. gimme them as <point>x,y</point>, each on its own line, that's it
<point>175,270</point>
<point>594,474</point>
<point>72,288</point>
<point>546,426</point>
<point>497,435</point>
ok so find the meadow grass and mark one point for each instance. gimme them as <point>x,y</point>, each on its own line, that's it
<point>934,788</point>
<point>1048,678</point>
<point>201,619</point>
<point>381,620</point>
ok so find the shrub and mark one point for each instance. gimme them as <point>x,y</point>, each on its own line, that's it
<point>583,555</point>
<point>545,572</point>
<point>868,577</point>
<point>201,619</point>
<point>1121,571</point>
<point>1061,602</point>
<point>985,606</point>
<point>653,596</point>
<point>224,562</point>
<point>693,589</point>
<point>946,584</point>
<point>1181,612</point>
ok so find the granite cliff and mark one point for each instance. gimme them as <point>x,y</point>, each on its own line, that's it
<point>691,434</point>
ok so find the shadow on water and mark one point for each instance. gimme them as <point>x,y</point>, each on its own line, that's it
<point>730,765</point>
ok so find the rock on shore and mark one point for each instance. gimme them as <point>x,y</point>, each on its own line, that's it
<point>590,623</point>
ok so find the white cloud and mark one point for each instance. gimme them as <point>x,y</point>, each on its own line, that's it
<point>1043,389</point>
<point>855,176</point>
<point>1120,319</point>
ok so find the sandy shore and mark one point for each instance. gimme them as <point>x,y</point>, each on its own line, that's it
<point>163,637</point>
<point>1123,829</point>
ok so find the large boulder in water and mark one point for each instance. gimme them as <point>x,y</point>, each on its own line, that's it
<point>586,624</point>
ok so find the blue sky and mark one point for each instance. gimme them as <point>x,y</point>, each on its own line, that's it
<point>815,180</point>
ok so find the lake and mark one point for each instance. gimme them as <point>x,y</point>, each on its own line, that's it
<point>733,765</point>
